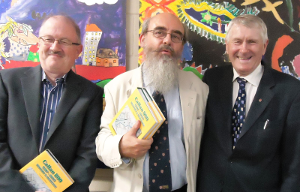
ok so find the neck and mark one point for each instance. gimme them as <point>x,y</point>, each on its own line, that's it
<point>52,77</point>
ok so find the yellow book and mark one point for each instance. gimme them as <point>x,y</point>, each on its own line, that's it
<point>45,173</point>
<point>151,109</point>
<point>135,108</point>
<point>161,118</point>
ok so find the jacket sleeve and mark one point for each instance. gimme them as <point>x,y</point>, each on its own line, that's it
<point>85,163</point>
<point>107,145</point>
<point>10,180</point>
<point>290,155</point>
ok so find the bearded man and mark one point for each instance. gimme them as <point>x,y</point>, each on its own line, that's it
<point>140,165</point>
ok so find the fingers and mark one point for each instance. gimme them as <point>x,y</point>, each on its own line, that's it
<point>134,128</point>
<point>132,147</point>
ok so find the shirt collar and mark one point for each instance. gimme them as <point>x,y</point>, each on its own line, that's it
<point>63,78</point>
<point>253,78</point>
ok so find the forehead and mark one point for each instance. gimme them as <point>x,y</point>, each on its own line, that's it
<point>168,21</point>
<point>242,31</point>
<point>57,26</point>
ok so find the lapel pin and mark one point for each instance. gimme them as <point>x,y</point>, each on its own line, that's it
<point>260,100</point>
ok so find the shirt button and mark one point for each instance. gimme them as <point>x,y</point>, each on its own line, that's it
<point>139,175</point>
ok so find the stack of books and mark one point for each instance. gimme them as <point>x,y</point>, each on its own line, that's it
<point>139,106</point>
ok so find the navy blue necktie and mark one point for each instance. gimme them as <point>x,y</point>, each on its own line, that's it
<point>159,157</point>
<point>239,111</point>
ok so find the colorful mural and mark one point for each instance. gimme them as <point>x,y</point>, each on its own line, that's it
<point>102,24</point>
<point>207,22</point>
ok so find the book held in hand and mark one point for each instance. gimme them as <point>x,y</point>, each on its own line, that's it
<point>45,173</point>
<point>139,106</point>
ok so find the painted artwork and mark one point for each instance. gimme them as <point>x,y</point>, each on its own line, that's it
<point>207,22</point>
<point>103,34</point>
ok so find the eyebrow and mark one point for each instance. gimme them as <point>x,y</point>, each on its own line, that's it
<point>165,29</point>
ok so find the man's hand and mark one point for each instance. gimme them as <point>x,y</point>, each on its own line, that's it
<point>132,147</point>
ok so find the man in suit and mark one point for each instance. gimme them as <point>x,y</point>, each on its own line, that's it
<point>163,37</point>
<point>259,151</point>
<point>49,107</point>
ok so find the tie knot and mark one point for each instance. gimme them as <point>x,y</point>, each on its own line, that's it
<point>241,81</point>
<point>156,94</point>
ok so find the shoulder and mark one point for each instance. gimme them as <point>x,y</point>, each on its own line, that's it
<point>124,78</point>
<point>284,80</point>
<point>13,71</point>
<point>86,84</point>
<point>189,77</point>
<point>218,71</point>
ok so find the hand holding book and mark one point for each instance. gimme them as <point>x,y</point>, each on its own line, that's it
<point>132,147</point>
<point>139,106</point>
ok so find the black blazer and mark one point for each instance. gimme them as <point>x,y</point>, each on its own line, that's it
<point>264,160</point>
<point>72,134</point>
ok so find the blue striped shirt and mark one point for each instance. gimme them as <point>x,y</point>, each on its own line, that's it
<point>51,96</point>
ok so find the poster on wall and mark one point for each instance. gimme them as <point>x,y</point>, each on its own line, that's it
<point>207,22</point>
<point>103,34</point>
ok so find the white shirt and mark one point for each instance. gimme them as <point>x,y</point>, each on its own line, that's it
<point>253,81</point>
<point>176,140</point>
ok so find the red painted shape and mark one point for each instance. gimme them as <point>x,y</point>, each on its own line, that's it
<point>89,72</point>
<point>280,44</point>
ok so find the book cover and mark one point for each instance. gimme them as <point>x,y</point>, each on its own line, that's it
<point>161,118</point>
<point>45,173</point>
<point>135,108</point>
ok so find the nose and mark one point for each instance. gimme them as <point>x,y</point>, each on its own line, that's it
<point>244,47</point>
<point>55,45</point>
<point>167,40</point>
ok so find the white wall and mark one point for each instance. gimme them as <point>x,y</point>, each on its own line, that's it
<point>103,177</point>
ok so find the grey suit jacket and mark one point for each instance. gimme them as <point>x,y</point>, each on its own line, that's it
<point>267,155</point>
<point>71,136</point>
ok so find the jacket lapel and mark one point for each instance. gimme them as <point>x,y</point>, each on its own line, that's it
<point>261,100</point>
<point>225,97</point>
<point>187,99</point>
<point>70,95</point>
<point>225,93</point>
<point>135,81</point>
<point>31,87</point>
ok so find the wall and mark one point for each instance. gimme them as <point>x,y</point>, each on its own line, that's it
<point>103,177</point>
<point>132,33</point>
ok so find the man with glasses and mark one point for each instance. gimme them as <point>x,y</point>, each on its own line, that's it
<point>49,107</point>
<point>135,162</point>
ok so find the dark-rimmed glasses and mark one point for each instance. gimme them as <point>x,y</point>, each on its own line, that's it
<point>50,40</point>
<point>161,34</point>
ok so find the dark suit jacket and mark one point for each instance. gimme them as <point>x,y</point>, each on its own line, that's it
<point>264,160</point>
<point>72,134</point>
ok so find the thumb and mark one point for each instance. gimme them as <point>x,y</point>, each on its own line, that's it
<point>135,128</point>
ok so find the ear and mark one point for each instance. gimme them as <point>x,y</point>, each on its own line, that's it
<point>79,49</point>
<point>265,46</point>
<point>142,40</point>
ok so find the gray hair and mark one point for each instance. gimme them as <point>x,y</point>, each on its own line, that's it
<point>76,27</point>
<point>145,26</point>
<point>249,21</point>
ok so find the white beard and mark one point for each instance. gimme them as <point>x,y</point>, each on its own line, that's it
<point>161,71</point>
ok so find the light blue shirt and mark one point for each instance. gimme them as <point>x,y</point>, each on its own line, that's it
<point>176,140</point>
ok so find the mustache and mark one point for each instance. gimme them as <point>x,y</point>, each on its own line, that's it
<point>59,53</point>
<point>165,47</point>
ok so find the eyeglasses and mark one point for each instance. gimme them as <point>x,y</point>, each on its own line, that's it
<point>161,34</point>
<point>50,40</point>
